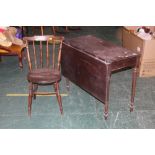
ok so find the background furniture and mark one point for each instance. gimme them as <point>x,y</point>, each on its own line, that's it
<point>13,50</point>
<point>44,65</point>
<point>89,62</point>
<point>40,30</point>
<point>146,48</point>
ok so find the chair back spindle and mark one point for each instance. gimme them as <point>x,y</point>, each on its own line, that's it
<point>44,51</point>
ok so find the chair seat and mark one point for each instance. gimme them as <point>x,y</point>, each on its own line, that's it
<point>3,51</point>
<point>44,76</point>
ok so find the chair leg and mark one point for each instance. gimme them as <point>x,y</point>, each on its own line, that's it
<point>30,99</point>
<point>56,87</point>
<point>35,87</point>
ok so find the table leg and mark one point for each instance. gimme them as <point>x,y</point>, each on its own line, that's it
<point>133,89</point>
<point>107,85</point>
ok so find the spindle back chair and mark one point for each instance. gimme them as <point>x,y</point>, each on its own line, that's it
<point>43,55</point>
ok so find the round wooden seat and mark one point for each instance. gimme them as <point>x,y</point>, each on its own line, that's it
<point>44,76</point>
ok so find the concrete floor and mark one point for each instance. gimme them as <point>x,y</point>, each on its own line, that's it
<point>81,111</point>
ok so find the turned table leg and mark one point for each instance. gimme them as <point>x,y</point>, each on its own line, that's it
<point>133,89</point>
<point>107,85</point>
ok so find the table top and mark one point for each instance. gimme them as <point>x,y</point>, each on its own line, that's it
<point>101,49</point>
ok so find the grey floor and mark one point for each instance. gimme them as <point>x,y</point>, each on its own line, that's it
<point>81,111</point>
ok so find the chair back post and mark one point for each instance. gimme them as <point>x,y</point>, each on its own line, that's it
<point>28,55</point>
<point>59,56</point>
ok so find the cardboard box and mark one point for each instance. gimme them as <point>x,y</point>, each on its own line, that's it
<point>146,47</point>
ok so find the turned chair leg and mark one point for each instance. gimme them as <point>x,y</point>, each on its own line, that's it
<point>30,99</point>
<point>56,87</point>
<point>35,87</point>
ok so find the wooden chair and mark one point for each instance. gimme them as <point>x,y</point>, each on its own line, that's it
<point>13,50</point>
<point>43,55</point>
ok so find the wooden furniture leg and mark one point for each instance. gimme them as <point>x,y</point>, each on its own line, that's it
<point>107,85</point>
<point>133,89</point>
<point>14,50</point>
<point>56,87</point>
<point>30,98</point>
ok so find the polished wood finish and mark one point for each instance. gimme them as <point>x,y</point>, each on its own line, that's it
<point>89,62</point>
<point>13,50</point>
<point>43,55</point>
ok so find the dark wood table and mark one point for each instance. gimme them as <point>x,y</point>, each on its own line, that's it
<point>89,62</point>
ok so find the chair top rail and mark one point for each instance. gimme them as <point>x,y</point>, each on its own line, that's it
<point>43,38</point>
